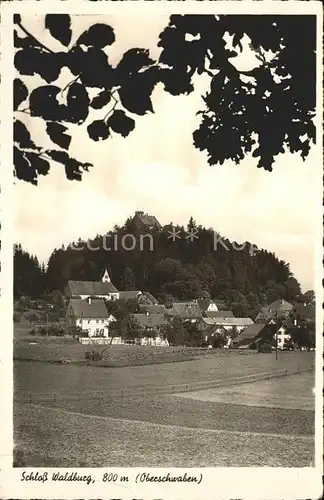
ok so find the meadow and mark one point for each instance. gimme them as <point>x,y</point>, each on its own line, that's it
<point>161,430</point>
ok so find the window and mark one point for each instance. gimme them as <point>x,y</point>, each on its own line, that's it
<point>97,320</point>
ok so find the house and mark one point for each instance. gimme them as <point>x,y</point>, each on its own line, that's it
<point>129,295</point>
<point>146,298</point>
<point>253,334</point>
<point>146,222</point>
<point>150,322</point>
<point>219,314</point>
<point>206,305</point>
<point>153,309</point>
<point>263,332</point>
<point>225,324</point>
<point>277,309</point>
<point>283,336</point>
<point>303,313</point>
<point>186,311</point>
<point>90,315</point>
<point>155,341</point>
<point>103,289</point>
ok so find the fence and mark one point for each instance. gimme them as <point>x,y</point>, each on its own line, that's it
<point>134,392</point>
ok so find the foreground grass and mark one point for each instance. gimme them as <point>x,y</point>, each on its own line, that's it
<point>64,379</point>
<point>52,438</point>
<point>54,349</point>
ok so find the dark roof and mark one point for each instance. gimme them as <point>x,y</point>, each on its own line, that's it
<point>249,333</point>
<point>253,332</point>
<point>219,314</point>
<point>231,321</point>
<point>150,297</point>
<point>280,305</point>
<point>154,309</point>
<point>184,310</point>
<point>82,308</point>
<point>304,311</point>
<point>129,294</point>
<point>90,288</point>
<point>150,320</point>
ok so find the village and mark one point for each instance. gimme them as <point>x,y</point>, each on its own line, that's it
<point>97,314</point>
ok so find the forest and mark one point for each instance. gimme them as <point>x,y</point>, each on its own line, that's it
<point>170,270</point>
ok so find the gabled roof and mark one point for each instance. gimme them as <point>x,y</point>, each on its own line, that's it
<point>252,332</point>
<point>82,309</point>
<point>219,314</point>
<point>150,320</point>
<point>233,321</point>
<point>184,310</point>
<point>304,311</point>
<point>280,305</point>
<point>90,288</point>
<point>150,297</point>
<point>155,309</point>
<point>129,294</point>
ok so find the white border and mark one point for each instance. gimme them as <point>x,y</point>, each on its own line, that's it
<point>287,483</point>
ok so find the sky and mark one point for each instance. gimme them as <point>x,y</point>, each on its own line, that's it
<point>158,170</point>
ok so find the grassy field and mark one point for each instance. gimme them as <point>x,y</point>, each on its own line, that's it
<point>66,379</point>
<point>55,438</point>
<point>53,350</point>
<point>291,392</point>
<point>136,430</point>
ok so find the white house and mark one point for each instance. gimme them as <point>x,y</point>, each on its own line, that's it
<point>282,337</point>
<point>103,289</point>
<point>225,323</point>
<point>90,315</point>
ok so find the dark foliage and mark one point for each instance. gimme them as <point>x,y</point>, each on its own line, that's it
<point>181,269</point>
<point>262,112</point>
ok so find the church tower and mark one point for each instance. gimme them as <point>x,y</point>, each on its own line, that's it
<point>106,278</point>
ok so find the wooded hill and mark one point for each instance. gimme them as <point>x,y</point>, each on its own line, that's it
<point>180,269</point>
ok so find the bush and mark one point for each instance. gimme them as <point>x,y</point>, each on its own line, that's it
<point>32,332</point>
<point>93,356</point>
<point>265,347</point>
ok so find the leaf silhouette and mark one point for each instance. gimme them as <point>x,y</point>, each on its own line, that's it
<point>99,35</point>
<point>20,92</point>
<point>98,130</point>
<point>135,93</point>
<point>101,99</point>
<point>91,66</point>
<point>23,168</point>
<point>22,136</point>
<point>77,103</point>
<point>56,133</point>
<point>132,61</point>
<point>59,26</point>
<point>120,123</point>
<point>43,103</point>
<point>38,163</point>
<point>73,168</point>
<point>33,60</point>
